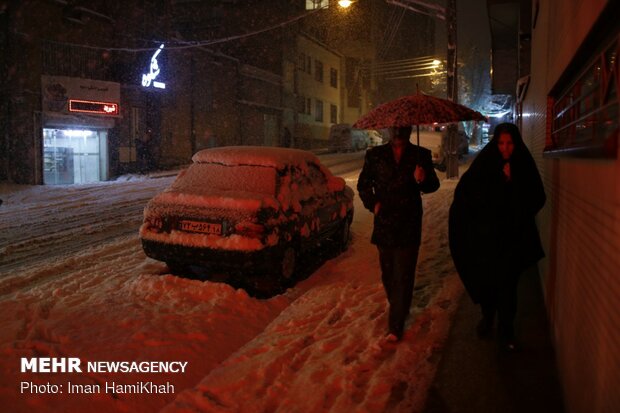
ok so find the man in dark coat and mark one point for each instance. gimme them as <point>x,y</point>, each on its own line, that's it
<point>144,151</point>
<point>493,235</point>
<point>389,185</point>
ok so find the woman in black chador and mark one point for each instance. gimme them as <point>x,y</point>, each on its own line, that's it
<point>493,236</point>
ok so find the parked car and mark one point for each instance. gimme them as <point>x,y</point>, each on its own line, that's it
<point>247,207</point>
<point>435,142</point>
<point>376,138</point>
<point>344,138</point>
<point>431,140</point>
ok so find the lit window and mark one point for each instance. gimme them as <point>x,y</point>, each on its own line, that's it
<point>316,4</point>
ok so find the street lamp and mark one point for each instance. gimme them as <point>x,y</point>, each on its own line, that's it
<point>345,3</point>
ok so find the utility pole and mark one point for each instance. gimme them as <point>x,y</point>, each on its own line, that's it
<point>448,14</point>
<point>452,159</point>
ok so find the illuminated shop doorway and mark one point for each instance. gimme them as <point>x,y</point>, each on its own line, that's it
<point>74,156</point>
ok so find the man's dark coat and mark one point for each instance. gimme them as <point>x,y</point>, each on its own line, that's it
<point>399,221</point>
<point>492,229</point>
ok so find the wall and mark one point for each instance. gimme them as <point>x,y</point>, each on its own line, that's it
<point>203,94</point>
<point>309,87</point>
<point>580,225</point>
<point>28,24</point>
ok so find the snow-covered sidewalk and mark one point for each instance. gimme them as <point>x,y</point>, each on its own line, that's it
<point>326,351</point>
<point>317,347</point>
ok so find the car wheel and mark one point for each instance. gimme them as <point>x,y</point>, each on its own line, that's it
<point>287,264</point>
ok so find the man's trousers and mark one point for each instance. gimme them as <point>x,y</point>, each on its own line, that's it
<point>398,265</point>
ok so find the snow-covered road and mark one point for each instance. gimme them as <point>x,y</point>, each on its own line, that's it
<point>317,347</point>
<point>40,223</point>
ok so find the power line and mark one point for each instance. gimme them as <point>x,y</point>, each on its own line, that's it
<point>202,43</point>
<point>412,76</point>
<point>435,10</point>
<point>393,25</point>
<point>399,63</point>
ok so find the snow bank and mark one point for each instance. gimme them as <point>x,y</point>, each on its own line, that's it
<point>318,347</point>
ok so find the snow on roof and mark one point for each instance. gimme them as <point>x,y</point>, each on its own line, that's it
<point>255,155</point>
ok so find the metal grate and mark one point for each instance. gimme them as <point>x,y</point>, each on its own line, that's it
<point>75,61</point>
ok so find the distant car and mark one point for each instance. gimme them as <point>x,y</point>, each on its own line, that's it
<point>431,140</point>
<point>344,138</point>
<point>376,138</point>
<point>247,207</point>
<point>435,141</point>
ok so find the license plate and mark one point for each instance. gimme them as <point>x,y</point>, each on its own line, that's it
<point>199,226</point>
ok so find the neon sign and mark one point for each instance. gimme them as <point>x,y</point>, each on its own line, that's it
<point>154,71</point>
<point>89,106</point>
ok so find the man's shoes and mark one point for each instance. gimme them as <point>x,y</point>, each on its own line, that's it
<point>392,338</point>
<point>484,329</point>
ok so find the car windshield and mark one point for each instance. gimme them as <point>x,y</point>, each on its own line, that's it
<point>209,177</point>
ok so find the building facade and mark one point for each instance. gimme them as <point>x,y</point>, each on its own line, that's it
<point>60,105</point>
<point>93,90</point>
<point>569,116</point>
<point>317,89</point>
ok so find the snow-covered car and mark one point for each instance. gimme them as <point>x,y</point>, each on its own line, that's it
<point>376,138</point>
<point>344,138</point>
<point>247,207</point>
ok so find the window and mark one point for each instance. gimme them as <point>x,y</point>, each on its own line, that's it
<point>333,77</point>
<point>69,60</point>
<point>309,106</point>
<point>584,106</point>
<point>316,4</point>
<point>301,62</point>
<point>317,181</point>
<point>333,113</point>
<point>312,184</point>
<point>318,70</point>
<point>318,114</point>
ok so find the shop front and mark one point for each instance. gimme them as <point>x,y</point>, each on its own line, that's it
<point>77,116</point>
<point>74,156</point>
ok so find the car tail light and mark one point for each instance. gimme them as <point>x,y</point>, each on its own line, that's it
<point>249,229</point>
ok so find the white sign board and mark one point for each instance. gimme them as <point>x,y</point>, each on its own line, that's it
<point>57,91</point>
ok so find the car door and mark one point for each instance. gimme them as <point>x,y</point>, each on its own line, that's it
<point>327,211</point>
